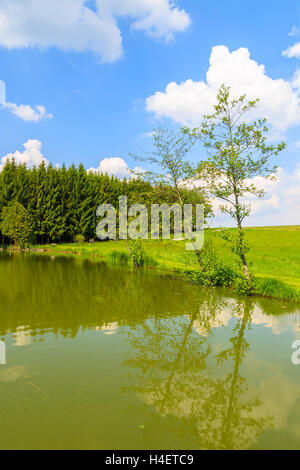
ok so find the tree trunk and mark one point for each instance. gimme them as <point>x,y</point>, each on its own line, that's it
<point>242,254</point>
<point>245,267</point>
<point>239,223</point>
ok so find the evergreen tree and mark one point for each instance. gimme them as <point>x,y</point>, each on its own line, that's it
<point>61,202</point>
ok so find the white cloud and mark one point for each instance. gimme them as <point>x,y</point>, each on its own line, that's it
<point>280,205</point>
<point>31,156</point>
<point>292,51</point>
<point>2,92</point>
<point>116,167</point>
<point>72,25</point>
<point>147,135</point>
<point>296,80</point>
<point>27,113</point>
<point>188,101</point>
<point>294,31</point>
<point>158,18</point>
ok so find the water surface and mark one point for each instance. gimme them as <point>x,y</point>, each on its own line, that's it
<point>99,357</point>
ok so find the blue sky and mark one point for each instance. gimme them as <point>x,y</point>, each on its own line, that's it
<point>94,90</point>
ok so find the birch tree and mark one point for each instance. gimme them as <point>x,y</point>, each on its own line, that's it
<point>238,151</point>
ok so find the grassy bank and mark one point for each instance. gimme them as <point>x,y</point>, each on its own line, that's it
<point>274,256</point>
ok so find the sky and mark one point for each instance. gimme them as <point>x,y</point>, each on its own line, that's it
<point>88,81</point>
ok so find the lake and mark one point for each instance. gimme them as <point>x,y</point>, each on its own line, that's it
<point>101,357</point>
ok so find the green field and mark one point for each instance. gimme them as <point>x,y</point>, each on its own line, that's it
<point>274,252</point>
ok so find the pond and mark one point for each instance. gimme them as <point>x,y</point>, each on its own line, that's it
<point>101,357</point>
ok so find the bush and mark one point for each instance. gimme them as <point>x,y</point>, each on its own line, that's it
<point>212,271</point>
<point>17,224</point>
<point>243,286</point>
<point>119,257</point>
<point>79,239</point>
<point>137,253</point>
<point>149,261</point>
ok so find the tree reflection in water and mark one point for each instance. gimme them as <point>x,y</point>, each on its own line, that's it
<point>191,373</point>
<point>192,385</point>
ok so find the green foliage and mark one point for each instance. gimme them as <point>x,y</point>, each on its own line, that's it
<point>277,289</point>
<point>149,261</point>
<point>212,271</point>
<point>17,224</point>
<point>169,156</point>
<point>63,201</point>
<point>238,150</point>
<point>174,170</point>
<point>238,244</point>
<point>244,286</point>
<point>137,252</point>
<point>119,257</point>
<point>79,239</point>
<point>275,253</point>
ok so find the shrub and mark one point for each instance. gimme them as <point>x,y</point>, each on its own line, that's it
<point>149,261</point>
<point>79,239</point>
<point>119,257</point>
<point>17,224</point>
<point>243,286</point>
<point>137,253</point>
<point>212,271</point>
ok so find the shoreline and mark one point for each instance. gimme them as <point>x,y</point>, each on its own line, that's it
<point>167,259</point>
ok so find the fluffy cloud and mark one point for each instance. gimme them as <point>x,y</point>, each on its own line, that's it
<point>158,18</point>
<point>72,25</point>
<point>116,167</point>
<point>188,101</point>
<point>292,51</point>
<point>27,113</point>
<point>280,206</point>
<point>31,155</point>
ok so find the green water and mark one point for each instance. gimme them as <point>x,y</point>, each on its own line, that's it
<point>102,358</point>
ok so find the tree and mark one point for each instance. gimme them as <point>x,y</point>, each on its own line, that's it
<point>238,152</point>
<point>174,170</point>
<point>17,224</point>
<point>62,201</point>
<point>169,156</point>
<point>197,389</point>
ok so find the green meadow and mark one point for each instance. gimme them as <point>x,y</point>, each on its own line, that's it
<point>274,256</point>
<point>274,252</point>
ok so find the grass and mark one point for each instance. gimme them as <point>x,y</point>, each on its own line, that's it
<point>277,289</point>
<point>274,256</point>
<point>274,253</point>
